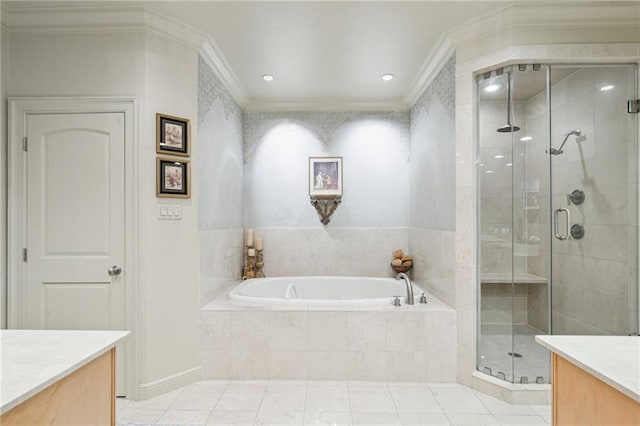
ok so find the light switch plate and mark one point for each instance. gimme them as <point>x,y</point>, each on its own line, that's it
<point>169,211</point>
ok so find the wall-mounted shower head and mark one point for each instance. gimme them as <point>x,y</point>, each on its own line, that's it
<point>576,132</point>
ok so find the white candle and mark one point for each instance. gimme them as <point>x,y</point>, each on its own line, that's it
<point>250,237</point>
<point>258,243</point>
<point>251,252</point>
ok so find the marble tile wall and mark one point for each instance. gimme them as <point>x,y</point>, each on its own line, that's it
<point>331,251</point>
<point>405,345</point>
<point>592,277</point>
<point>221,260</point>
<point>434,264</point>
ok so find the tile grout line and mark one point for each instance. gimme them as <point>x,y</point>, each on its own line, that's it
<point>218,400</point>
<point>393,401</point>
<point>439,405</point>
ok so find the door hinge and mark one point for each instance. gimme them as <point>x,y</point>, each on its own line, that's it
<point>633,106</point>
<point>24,254</point>
<point>25,144</point>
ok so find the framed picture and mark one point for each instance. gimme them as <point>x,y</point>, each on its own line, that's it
<point>173,135</point>
<point>173,178</point>
<point>325,177</point>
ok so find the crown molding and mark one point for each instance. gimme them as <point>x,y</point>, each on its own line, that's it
<point>173,29</point>
<point>44,19</point>
<point>109,18</point>
<point>514,16</point>
<point>560,15</point>
<point>97,18</point>
<point>437,57</point>
<point>213,56</point>
<point>329,105</point>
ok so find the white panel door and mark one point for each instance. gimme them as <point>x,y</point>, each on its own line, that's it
<point>76,223</point>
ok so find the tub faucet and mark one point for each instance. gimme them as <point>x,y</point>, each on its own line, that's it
<point>407,283</point>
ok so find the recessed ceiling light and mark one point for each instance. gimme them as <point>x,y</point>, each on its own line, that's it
<point>526,138</point>
<point>494,87</point>
<point>489,171</point>
<point>508,164</point>
<point>267,77</point>
<point>498,156</point>
<point>607,87</point>
<point>387,77</point>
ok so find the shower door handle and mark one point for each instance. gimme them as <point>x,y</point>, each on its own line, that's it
<point>556,215</point>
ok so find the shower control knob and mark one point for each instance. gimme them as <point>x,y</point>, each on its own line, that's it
<point>577,231</point>
<point>576,197</point>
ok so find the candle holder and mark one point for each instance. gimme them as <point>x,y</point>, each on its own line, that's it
<point>253,263</point>
<point>259,264</point>
<point>250,263</point>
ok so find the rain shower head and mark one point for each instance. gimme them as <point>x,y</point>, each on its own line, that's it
<point>508,128</point>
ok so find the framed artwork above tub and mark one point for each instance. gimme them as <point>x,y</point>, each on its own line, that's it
<point>325,177</point>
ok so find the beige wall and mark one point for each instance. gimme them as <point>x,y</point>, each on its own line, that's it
<point>169,256</point>
<point>162,74</point>
<point>4,62</point>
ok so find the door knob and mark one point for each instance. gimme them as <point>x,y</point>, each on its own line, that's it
<point>114,270</point>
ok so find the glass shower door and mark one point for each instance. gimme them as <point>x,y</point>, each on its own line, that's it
<point>594,206</point>
<point>495,223</point>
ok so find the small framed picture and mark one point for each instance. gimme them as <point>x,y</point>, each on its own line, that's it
<point>325,177</point>
<point>173,135</point>
<point>173,178</point>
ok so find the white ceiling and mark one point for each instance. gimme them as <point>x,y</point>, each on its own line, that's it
<point>324,52</point>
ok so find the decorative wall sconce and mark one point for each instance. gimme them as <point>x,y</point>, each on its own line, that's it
<point>325,207</point>
<point>325,185</point>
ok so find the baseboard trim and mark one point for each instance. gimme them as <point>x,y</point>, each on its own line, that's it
<point>169,383</point>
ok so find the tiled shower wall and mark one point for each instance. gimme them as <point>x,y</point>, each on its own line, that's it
<point>595,278</point>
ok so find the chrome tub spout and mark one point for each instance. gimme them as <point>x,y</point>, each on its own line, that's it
<point>407,282</point>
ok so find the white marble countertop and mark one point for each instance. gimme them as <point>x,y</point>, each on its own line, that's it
<point>613,359</point>
<point>31,360</point>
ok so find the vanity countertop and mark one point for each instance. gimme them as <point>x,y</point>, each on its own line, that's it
<point>31,360</point>
<point>613,359</point>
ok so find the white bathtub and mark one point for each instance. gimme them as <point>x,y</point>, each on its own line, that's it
<point>320,291</point>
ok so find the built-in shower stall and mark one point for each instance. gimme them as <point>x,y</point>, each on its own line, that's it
<point>557,188</point>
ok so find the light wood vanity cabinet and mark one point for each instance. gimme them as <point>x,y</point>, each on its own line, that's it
<point>595,380</point>
<point>85,397</point>
<point>581,399</point>
<point>58,377</point>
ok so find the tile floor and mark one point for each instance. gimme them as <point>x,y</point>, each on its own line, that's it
<point>279,402</point>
